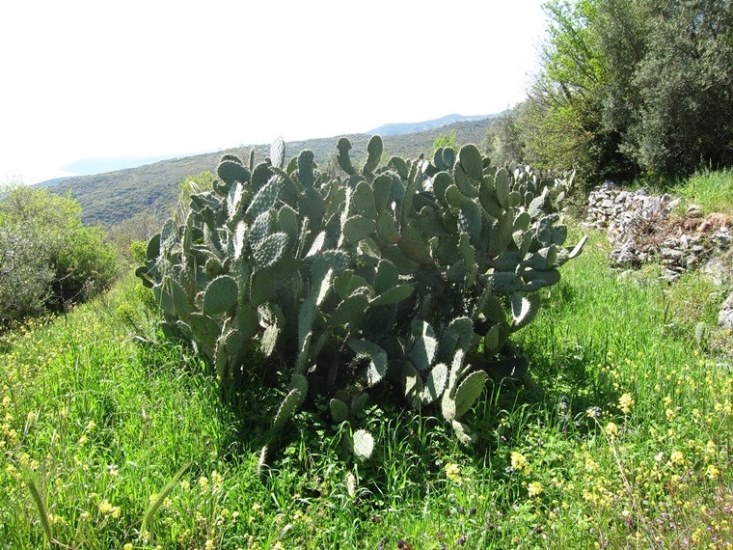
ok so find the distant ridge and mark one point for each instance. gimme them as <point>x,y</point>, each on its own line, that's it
<point>113,197</point>
<point>400,128</point>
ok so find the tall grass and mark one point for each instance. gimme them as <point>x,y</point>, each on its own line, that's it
<point>712,190</point>
<point>624,438</point>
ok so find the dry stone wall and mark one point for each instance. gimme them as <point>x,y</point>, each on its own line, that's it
<point>644,227</point>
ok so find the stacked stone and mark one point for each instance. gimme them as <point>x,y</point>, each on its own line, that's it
<point>631,219</point>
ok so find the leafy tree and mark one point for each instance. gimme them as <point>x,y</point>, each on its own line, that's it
<point>446,140</point>
<point>50,225</point>
<point>685,86</point>
<point>632,86</point>
<point>25,276</point>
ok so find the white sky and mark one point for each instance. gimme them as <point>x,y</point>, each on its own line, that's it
<point>144,78</point>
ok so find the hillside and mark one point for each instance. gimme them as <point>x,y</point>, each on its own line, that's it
<point>112,197</point>
<point>413,127</point>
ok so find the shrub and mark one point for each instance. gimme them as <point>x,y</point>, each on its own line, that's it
<point>412,275</point>
<point>25,276</point>
<point>50,226</point>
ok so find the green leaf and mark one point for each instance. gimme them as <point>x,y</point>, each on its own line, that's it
<point>269,340</point>
<point>393,295</point>
<point>501,184</point>
<point>435,384</point>
<point>425,347</point>
<point>387,228</point>
<point>220,295</point>
<point>287,408</point>
<point>358,227</point>
<point>231,171</point>
<point>270,250</point>
<point>351,310</point>
<point>344,146</point>
<point>377,367</point>
<point>339,410</point>
<point>469,391</point>
<point>524,309</point>
<point>265,198</point>
<point>374,149</point>
<point>471,161</point>
<point>387,276</point>
<point>277,153</point>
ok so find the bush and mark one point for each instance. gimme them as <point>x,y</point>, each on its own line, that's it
<point>42,233</point>
<point>412,276</point>
<point>25,276</point>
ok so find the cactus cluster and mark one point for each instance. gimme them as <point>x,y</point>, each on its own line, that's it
<point>416,272</point>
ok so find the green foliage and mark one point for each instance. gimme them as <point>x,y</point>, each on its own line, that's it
<point>504,141</point>
<point>106,427</point>
<point>43,232</point>
<point>25,276</point>
<point>712,190</point>
<point>140,227</point>
<point>358,282</point>
<point>449,140</point>
<point>632,87</point>
<point>684,115</point>
<point>204,181</point>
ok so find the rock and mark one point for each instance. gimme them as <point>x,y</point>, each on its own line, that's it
<point>694,211</point>
<point>639,227</point>
<point>625,256</point>
<point>670,276</point>
<point>719,269</point>
<point>725,318</point>
<point>671,256</point>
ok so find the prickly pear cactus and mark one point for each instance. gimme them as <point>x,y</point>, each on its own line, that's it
<point>415,272</point>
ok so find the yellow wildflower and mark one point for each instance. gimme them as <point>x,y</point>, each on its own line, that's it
<point>712,472</point>
<point>519,462</point>
<point>453,472</point>
<point>534,489</point>
<point>625,403</point>
<point>677,458</point>
<point>203,483</point>
<point>590,464</point>
<point>105,507</point>
<point>611,430</point>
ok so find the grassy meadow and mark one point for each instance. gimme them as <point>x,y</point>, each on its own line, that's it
<point>622,439</point>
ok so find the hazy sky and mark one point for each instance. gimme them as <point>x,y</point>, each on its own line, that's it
<point>146,78</point>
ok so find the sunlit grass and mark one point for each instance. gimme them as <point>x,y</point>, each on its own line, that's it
<point>622,440</point>
<point>712,190</point>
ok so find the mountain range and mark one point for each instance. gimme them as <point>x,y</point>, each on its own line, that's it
<point>113,197</point>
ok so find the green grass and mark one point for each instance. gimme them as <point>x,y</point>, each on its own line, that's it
<point>625,439</point>
<point>712,190</point>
